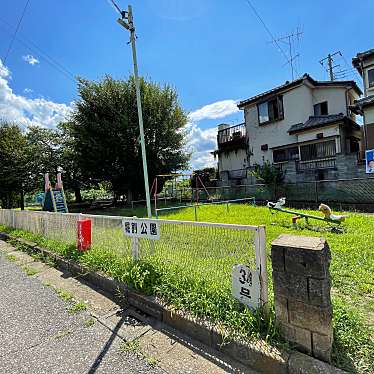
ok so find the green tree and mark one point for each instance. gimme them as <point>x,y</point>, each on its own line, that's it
<point>45,148</point>
<point>105,131</point>
<point>269,175</point>
<point>14,164</point>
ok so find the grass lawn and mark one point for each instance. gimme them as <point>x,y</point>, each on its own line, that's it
<point>351,268</point>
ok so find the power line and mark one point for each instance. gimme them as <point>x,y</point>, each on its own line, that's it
<point>269,32</point>
<point>30,45</point>
<point>15,32</point>
<point>351,68</point>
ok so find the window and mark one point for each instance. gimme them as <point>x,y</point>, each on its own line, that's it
<point>286,154</point>
<point>271,110</point>
<point>318,150</point>
<point>321,109</point>
<point>371,77</point>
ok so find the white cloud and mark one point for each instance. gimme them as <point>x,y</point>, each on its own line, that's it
<point>201,142</point>
<point>215,110</point>
<point>28,90</point>
<point>26,111</point>
<point>30,59</point>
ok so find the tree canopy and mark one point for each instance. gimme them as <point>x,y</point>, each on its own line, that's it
<point>99,143</point>
<point>14,161</point>
<point>105,133</point>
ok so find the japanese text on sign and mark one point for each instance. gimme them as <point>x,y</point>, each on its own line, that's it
<point>141,228</point>
<point>246,286</point>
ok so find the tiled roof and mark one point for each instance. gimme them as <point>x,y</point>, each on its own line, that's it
<point>364,101</point>
<point>317,121</point>
<point>296,82</point>
<point>356,61</point>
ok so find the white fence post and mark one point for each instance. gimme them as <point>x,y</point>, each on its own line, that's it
<point>260,247</point>
<point>135,248</point>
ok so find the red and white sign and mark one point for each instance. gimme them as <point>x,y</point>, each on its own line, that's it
<point>84,235</point>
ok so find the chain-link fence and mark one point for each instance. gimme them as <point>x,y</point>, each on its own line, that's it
<point>345,191</point>
<point>204,253</point>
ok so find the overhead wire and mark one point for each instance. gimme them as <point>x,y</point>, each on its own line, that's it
<point>280,49</point>
<point>30,45</point>
<point>15,32</point>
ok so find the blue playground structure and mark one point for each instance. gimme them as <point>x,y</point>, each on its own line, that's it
<point>54,198</point>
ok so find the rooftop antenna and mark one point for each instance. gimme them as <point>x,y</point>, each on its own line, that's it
<point>290,41</point>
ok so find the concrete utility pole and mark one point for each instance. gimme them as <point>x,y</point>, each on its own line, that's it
<point>129,25</point>
<point>330,64</point>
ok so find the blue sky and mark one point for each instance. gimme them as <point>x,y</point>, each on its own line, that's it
<point>211,51</point>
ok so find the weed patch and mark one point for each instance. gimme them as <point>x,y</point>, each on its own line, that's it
<point>89,322</point>
<point>77,307</point>
<point>30,271</point>
<point>11,258</point>
<point>64,295</point>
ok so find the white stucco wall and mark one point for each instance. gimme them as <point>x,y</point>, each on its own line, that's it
<point>297,105</point>
<point>312,134</point>
<point>368,64</point>
<point>369,115</point>
<point>233,160</point>
<point>335,96</point>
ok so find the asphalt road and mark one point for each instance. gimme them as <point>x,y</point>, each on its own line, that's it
<point>38,334</point>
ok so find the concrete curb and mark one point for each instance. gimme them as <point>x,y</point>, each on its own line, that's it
<point>257,355</point>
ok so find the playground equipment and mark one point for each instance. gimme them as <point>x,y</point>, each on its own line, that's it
<point>325,209</point>
<point>54,198</point>
<point>173,190</point>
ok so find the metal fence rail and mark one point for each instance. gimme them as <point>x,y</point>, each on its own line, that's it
<point>251,200</point>
<point>202,252</point>
<point>345,191</point>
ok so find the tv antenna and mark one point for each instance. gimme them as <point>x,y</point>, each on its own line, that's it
<point>290,40</point>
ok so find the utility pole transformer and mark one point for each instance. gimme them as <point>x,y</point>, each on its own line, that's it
<point>129,25</point>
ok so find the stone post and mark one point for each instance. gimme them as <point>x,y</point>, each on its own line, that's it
<point>302,286</point>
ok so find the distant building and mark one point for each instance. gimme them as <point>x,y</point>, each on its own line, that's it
<point>304,127</point>
<point>364,63</point>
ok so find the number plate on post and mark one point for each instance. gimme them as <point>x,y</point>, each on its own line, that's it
<point>246,286</point>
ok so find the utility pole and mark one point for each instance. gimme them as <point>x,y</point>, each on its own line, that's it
<point>129,25</point>
<point>330,64</point>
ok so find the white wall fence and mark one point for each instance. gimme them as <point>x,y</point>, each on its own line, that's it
<point>208,251</point>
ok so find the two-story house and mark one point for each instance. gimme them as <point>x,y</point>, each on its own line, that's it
<point>364,63</point>
<point>304,126</point>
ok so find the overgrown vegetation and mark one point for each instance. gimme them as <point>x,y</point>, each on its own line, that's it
<point>172,277</point>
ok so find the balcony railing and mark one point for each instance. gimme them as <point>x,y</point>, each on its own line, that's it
<point>327,163</point>
<point>238,174</point>
<point>234,136</point>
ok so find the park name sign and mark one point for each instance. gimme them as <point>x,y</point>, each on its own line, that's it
<point>141,228</point>
<point>246,286</point>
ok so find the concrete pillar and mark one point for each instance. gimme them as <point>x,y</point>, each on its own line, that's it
<point>302,286</point>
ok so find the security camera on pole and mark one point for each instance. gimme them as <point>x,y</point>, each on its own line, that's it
<point>126,21</point>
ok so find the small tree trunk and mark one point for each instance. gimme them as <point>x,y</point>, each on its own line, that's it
<point>78,195</point>
<point>129,196</point>
<point>22,199</point>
